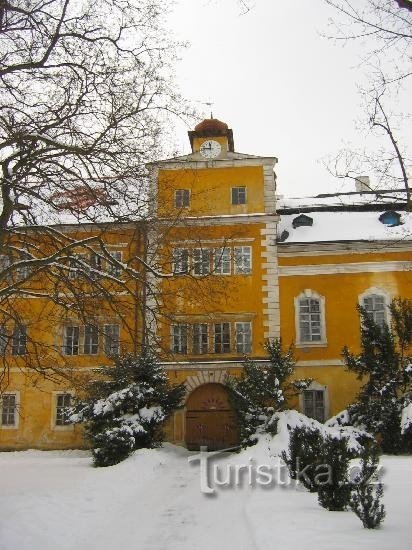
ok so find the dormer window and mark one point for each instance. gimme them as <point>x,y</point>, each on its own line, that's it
<point>390,218</point>
<point>302,221</point>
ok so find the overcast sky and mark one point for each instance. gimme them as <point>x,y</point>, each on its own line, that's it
<point>283,88</point>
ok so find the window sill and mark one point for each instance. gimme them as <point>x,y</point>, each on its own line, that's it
<point>319,344</point>
<point>68,428</point>
<point>15,427</point>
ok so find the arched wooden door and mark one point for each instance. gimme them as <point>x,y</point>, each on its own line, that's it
<point>210,421</point>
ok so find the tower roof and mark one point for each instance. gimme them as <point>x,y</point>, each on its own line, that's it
<point>212,127</point>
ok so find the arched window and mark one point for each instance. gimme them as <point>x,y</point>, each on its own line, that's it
<point>375,302</point>
<point>310,318</point>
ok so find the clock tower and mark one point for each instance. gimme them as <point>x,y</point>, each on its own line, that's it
<point>211,138</point>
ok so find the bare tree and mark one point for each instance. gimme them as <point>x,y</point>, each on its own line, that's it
<point>86,94</point>
<point>384,31</point>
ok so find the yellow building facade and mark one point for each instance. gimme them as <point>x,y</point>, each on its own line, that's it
<point>239,266</point>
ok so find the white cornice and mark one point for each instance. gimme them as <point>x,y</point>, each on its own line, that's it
<point>286,250</point>
<point>333,269</point>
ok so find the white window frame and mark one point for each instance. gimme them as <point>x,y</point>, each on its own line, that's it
<point>111,340</point>
<point>65,339</point>
<point>375,291</point>
<point>235,192</point>
<point>201,258</point>
<point>243,338</point>
<point>54,425</point>
<point>74,266</point>
<point>222,260</point>
<point>179,338</point>
<point>200,338</point>
<point>15,426</point>
<point>242,260</point>
<point>322,342</point>
<point>181,267</point>
<point>113,269</point>
<point>316,386</point>
<point>91,339</point>
<point>17,342</point>
<point>180,198</point>
<point>222,335</point>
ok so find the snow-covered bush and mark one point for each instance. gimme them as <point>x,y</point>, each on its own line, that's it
<point>334,490</point>
<point>367,491</point>
<point>385,366</point>
<point>126,408</point>
<point>262,390</point>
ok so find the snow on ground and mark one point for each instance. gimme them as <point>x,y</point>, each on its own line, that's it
<point>56,501</point>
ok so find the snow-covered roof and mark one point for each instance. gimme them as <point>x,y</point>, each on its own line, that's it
<point>352,199</point>
<point>344,226</point>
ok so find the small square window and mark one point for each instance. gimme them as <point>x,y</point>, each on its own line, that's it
<point>238,195</point>
<point>182,198</point>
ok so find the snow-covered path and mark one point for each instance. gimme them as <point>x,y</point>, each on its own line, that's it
<point>152,501</point>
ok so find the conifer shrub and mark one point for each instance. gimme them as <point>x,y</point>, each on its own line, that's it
<point>334,490</point>
<point>367,491</point>
<point>303,455</point>
<point>126,408</point>
<point>262,390</point>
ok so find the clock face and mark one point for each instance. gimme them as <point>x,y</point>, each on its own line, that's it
<point>210,149</point>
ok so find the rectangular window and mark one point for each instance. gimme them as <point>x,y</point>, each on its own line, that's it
<point>63,403</point>
<point>243,333</point>
<point>375,306</point>
<point>238,195</point>
<point>71,340</point>
<point>112,268</point>
<point>222,337</point>
<point>182,198</point>
<point>76,269</point>
<point>243,259</point>
<point>314,404</point>
<point>179,338</point>
<point>201,261</point>
<point>222,261</point>
<point>4,339</point>
<point>96,264</point>
<point>91,339</point>
<point>180,261</point>
<point>19,340</point>
<point>309,320</point>
<point>200,338</point>
<point>8,403</point>
<point>111,339</point>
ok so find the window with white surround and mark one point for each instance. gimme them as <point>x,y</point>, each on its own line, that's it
<point>222,261</point>
<point>243,260</point>
<point>239,195</point>
<point>63,402</point>
<point>77,268</point>
<point>200,336</point>
<point>243,336</point>
<point>112,268</point>
<point>201,261</point>
<point>221,337</point>
<point>310,319</point>
<point>111,339</point>
<point>314,404</point>
<point>71,340</point>
<point>19,340</point>
<point>9,403</point>
<point>182,198</point>
<point>91,340</point>
<point>179,338</point>
<point>376,305</point>
<point>180,261</point>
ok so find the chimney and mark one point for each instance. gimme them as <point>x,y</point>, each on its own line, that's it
<point>362,183</point>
